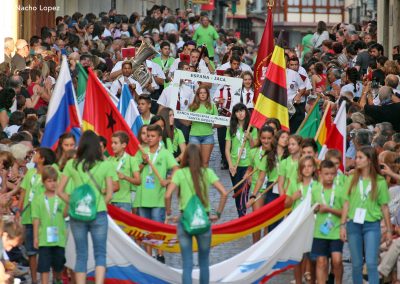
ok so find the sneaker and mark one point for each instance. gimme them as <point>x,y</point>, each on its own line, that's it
<point>160,258</point>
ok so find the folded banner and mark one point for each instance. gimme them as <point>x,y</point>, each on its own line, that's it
<point>163,236</point>
<point>284,247</point>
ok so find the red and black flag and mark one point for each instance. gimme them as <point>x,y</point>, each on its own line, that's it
<point>272,100</point>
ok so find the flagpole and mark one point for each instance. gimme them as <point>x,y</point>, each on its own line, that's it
<point>322,122</point>
<point>308,114</point>
<point>243,179</point>
<point>262,194</point>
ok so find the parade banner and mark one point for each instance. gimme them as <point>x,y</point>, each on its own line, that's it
<point>184,77</point>
<point>163,236</point>
<point>280,250</point>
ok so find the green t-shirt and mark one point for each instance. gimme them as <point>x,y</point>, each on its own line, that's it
<point>295,185</point>
<point>179,139</point>
<point>257,161</point>
<point>306,42</point>
<point>324,196</point>
<point>127,165</point>
<point>100,171</point>
<point>206,36</point>
<point>202,128</point>
<point>150,193</point>
<point>288,169</point>
<point>147,122</point>
<point>165,66</point>
<point>183,179</point>
<point>373,207</point>
<point>236,143</point>
<point>32,185</point>
<point>48,217</point>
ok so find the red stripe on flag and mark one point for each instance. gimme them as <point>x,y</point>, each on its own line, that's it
<point>258,120</point>
<point>276,74</point>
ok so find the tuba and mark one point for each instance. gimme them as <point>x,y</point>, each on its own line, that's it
<point>140,72</point>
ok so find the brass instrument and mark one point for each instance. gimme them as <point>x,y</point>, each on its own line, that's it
<point>140,72</point>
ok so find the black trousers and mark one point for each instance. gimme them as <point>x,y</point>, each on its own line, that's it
<point>297,118</point>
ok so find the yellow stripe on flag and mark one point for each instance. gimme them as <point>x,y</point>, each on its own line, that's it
<point>323,134</point>
<point>278,57</point>
<point>272,109</point>
<point>87,126</point>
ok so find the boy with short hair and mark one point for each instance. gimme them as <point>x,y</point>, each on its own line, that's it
<point>49,228</point>
<point>309,148</point>
<point>144,106</point>
<point>127,170</point>
<point>32,185</point>
<point>327,243</point>
<point>150,193</point>
<point>335,156</point>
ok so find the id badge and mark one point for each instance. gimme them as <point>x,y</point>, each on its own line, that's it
<point>275,189</point>
<point>150,182</point>
<point>326,227</point>
<point>359,216</point>
<point>243,156</point>
<point>265,183</point>
<point>52,234</point>
<point>31,195</point>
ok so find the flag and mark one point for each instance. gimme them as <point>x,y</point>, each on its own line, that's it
<point>128,108</point>
<point>336,138</point>
<point>62,115</point>
<point>279,250</point>
<point>81,86</point>
<point>272,100</point>
<point>102,116</point>
<point>309,127</point>
<point>324,127</point>
<point>265,49</point>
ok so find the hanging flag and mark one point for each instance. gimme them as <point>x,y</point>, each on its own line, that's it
<point>265,49</point>
<point>272,100</point>
<point>62,115</point>
<point>102,116</point>
<point>81,86</point>
<point>324,127</point>
<point>128,108</point>
<point>336,138</point>
<point>309,127</point>
<point>278,251</point>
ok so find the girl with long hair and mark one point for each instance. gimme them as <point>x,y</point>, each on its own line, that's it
<point>366,204</point>
<point>194,178</point>
<point>282,141</point>
<point>262,159</point>
<point>288,167</point>
<point>89,167</point>
<point>297,191</point>
<point>178,139</point>
<point>235,137</point>
<point>66,142</point>
<point>247,91</point>
<point>202,133</point>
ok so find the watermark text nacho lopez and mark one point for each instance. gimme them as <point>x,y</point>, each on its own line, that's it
<point>37,8</point>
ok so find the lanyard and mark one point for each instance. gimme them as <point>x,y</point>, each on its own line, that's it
<point>260,153</point>
<point>331,201</point>
<point>121,162</point>
<point>364,194</point>
<point>33,185</point>
<point>302,189</point>
<point>154,157</point>
<point>239,136</point>
<point>52,216</point>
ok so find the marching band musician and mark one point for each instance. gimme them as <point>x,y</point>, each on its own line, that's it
<point>134,86</point>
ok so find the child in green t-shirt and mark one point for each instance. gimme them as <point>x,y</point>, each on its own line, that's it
<point>335,156</point>
<point>127,170</point>
<point>49,228</point>
<point>31,185</point>
<point>327,243</point>
<point>150,193</point>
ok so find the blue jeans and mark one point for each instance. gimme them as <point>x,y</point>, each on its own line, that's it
<point>153,213</point>
<point>203,243</point>
<point>365,236</point>
<point>208,139</point>
<point>98,229</point>
<point>124,206</point>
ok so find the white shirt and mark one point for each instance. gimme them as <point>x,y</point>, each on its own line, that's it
<point>119,83</point>
<point>307,81</point>
<point>242,67</point>
<point>350,88</point>
<point>202,65</point>
<point>294,83</point>
<point>185,95</point>
<point>155,71</point>
<point>247,102</point>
